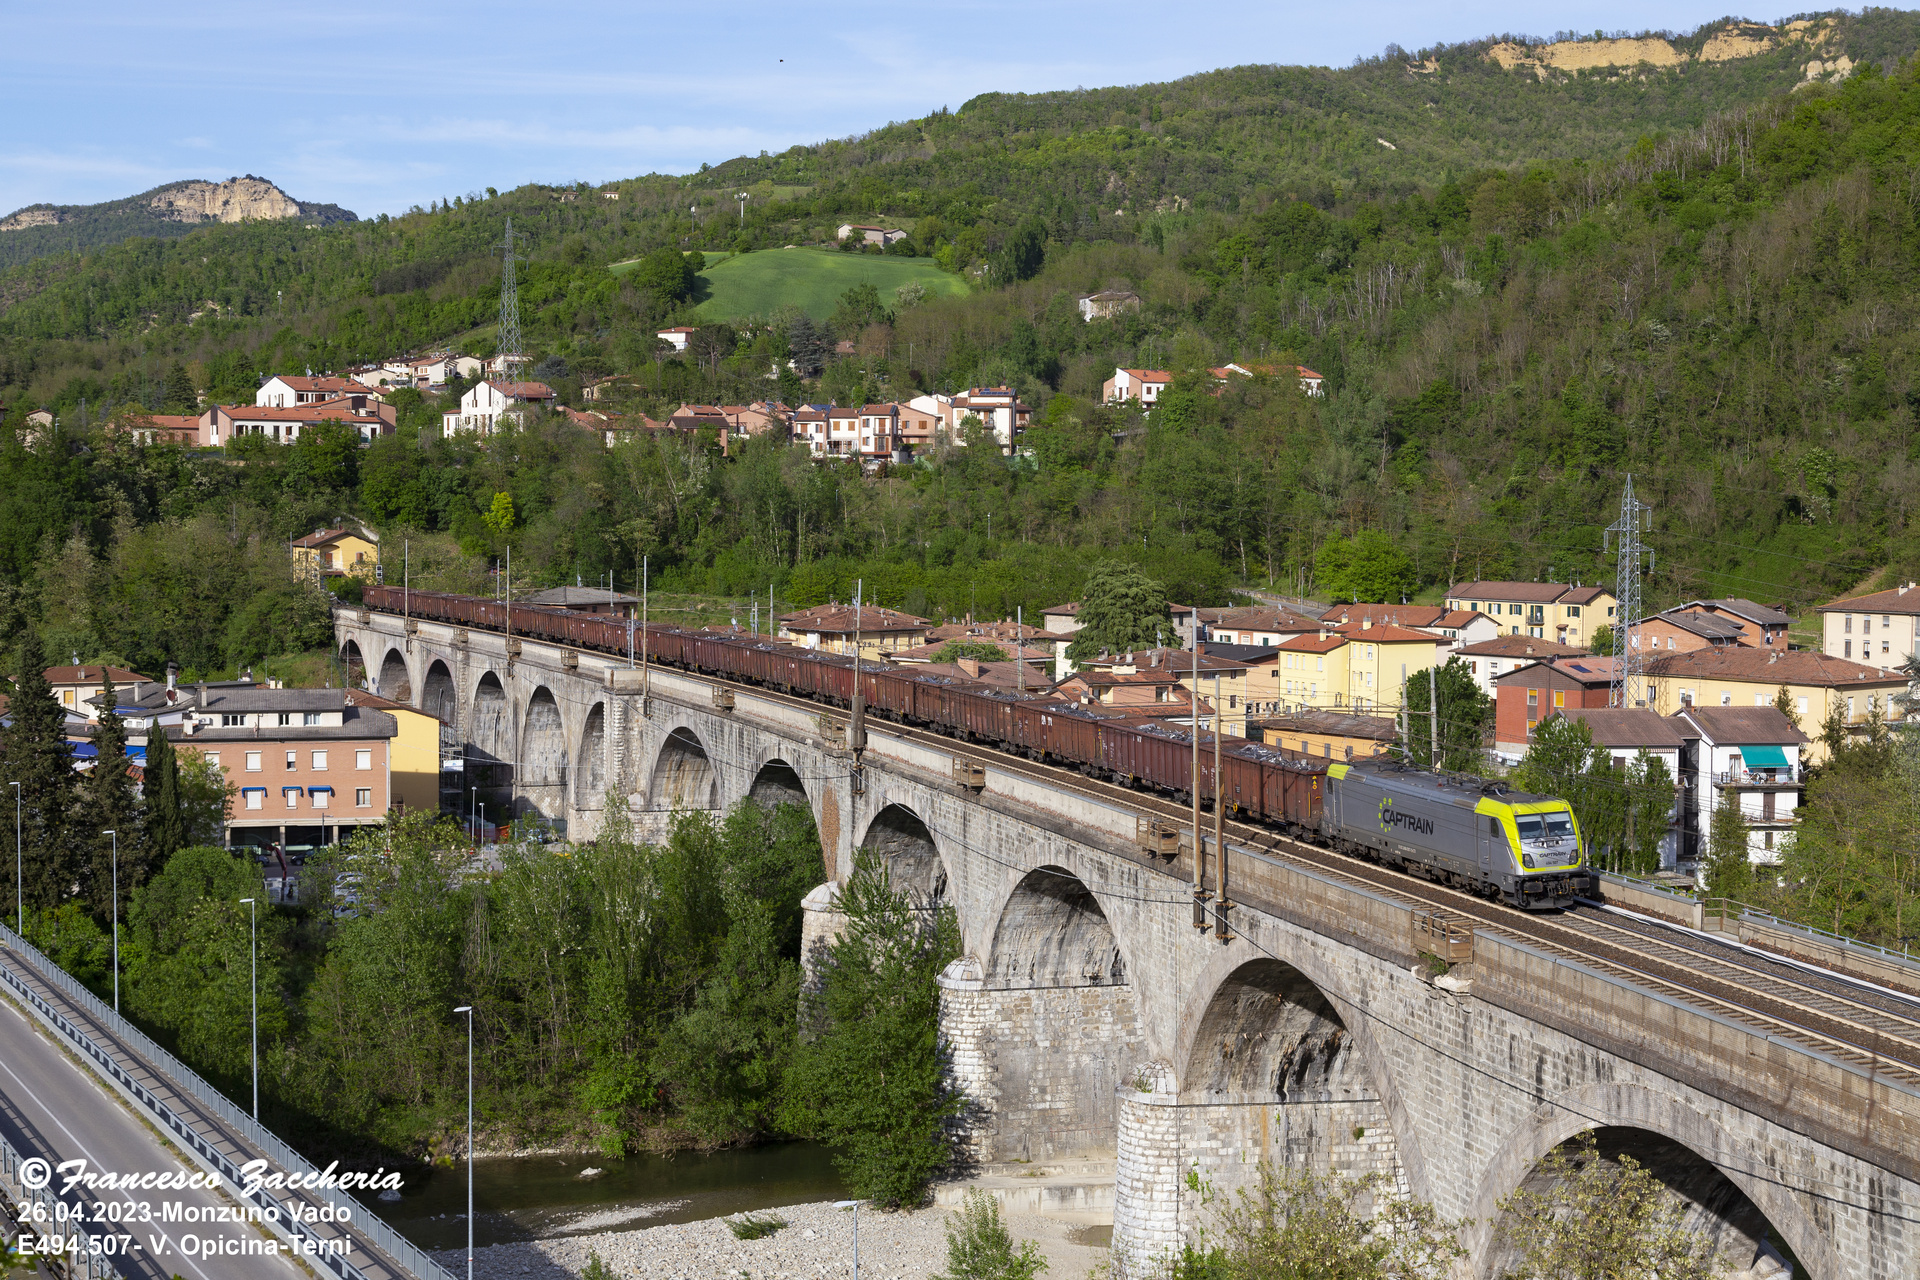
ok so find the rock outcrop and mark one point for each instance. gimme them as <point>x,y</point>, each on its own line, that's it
<point>1733,41</point>
<point>235,200</point>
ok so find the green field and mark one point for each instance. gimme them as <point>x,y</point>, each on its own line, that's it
<point>811,279</point>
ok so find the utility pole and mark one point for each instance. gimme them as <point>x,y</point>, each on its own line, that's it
<point>1433,719</point>
<point>1635,559</point>
<point>857,724</point>
<point>1199,846</point>
<point>743,208</point>
<point>253,914</point>
<point>1220,929</point>
<point>507,351</point>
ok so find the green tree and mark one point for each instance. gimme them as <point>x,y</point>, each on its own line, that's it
<point>669,274</point>
<point>979,1246</point>
<point>166,821</point>
<point>1601,642</point>
<point>1601,1218</point>
<point>1294,1224</point>
<point>1121,609</point>
<point>1729,861</point>
<point>1021,256</point>
<point>106,802</point>
<point>1651,790</point>
<point>1465,716</point>
<point>1369,566</point>
<point>179,395</point>
<point>978,650</point>
<point>499,516</point>
<point>205,794</point>
<point>859,307</point>
<point>36,757</point>
<point>869,1079</point>
<point>324,458</point>
<point>281,616</point>
<point>1557,760</point>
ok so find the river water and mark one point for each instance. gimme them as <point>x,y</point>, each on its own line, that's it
<point>526,1197</point>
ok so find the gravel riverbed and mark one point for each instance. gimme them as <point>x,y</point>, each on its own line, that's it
<point>817,1241</point>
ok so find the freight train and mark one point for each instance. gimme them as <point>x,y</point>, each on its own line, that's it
<point>1463,831</point>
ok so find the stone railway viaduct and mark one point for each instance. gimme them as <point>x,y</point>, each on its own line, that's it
<point>1088,1021</point>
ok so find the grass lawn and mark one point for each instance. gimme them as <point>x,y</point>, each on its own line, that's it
<point>761,283</point>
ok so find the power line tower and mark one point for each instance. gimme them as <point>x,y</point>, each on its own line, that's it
<point>508,352</point>
<point>1636,559</point>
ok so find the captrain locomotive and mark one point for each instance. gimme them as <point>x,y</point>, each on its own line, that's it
<point>1467,832</point>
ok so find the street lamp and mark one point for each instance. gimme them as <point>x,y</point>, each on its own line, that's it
<point>116,917</point>
<point>483,821</point>
<point>19,894</point>
<point>468,1010</point>
<point>855,1206</point>
<point>253,910</point>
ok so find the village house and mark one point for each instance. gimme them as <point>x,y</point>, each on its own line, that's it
<point>1144,385</point>
<point>1749,757</point>
<point>1759,625</point>
<point>288,391</point>
<point>1816,687</point>
<point>414,757</point>
<point>1262,662</point>
<point>1106,304</point>
<point>1330,735</point>
<point>1544,610</point>
<point>337,552</point>
<point>831,628</point>
<point>1311,383</point>
<point>998,409</point>
<point>1033,677</point>
<point>487,402</point>
<point>76,686</point>
<point>1532,693</point>
<point>1675,632</point>
<point>1259,625</point>
<point>1381,658</point>
<point>1876,629</point>
<point>303,763</point>
<point>1462,626</point>
<point>1214,680</point>
<point>158,428</point>
<point>599,600</point>
<point>1139,692</point>
<point>1490,659</point>
<point>224,423</point>
<point>678,336</point>
<point>870,235</point>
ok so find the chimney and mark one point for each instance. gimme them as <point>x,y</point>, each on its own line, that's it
<point>970,666</point>
<point>173,674</point>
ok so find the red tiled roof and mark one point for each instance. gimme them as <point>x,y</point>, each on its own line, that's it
<point>1519,647</point>
<point>522,390</point>
<point>1769,666</point>
<point>1314,643</point>
<point>85,674</point>
<point>1387,633</point>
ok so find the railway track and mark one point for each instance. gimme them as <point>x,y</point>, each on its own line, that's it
<point>1872,1028</point>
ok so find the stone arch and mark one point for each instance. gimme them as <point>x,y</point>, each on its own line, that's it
<point>778,782</point>
<point>438,696</point>
<point>354,663</point>
<point>590,765</point>
<point>1052,933</point>
<point>542,762</point>
<point>395,682</point>
<point>913,861</point>
<point>492,729</point>
<point>1732,1194</point>
<point>683,775</point>
<point>1275,1068</point>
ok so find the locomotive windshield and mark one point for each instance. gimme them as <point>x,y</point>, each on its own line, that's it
<point>1547,839</point>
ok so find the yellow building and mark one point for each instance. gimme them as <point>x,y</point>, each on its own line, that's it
<point>1817,686</point>
<point>1330,735</point>
<point>325,552</point>
<point>414,753</point>
<point>1543,610</point>
<point>1359,667</point>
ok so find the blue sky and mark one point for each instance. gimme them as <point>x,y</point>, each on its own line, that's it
<point>379,107</point>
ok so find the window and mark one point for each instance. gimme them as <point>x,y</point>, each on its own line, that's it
<point>1726,699</point>
<point>293,761</point>
<point>256,797</point>
<point>322,796</point>
<point>1760,700</point>
<point>286,718</point>
<point>1533,705</point>
<point>1800,705</point>
<point>1767,837</point>
<point>66,696</point>
<point>1849,708</point>
<point>363,758</point>
<point>1559,698</point>
<point>253,762</point>
<point>1884,646</point>
<point>229,721</point>
<point>1886,621</point>
<point>213,758</point>
<point>1846,648</point>
<point>310,718</point>
<point>292,796</point>
<point>1847,624</point>
<point>319,760</point>
<point>1573,611</point>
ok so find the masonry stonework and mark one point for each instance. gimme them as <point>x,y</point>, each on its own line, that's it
<point>1310,1038</point>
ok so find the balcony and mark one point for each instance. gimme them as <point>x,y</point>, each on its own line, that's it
<point>1762,779</point>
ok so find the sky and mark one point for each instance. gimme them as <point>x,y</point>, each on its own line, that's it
<point>380,107</point>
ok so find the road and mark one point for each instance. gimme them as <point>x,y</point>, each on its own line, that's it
<point>53,1107</point>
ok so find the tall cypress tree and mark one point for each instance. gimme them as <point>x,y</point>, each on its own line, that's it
<point>107,803</point>
<point>166,827</point>
<point>37,758</point>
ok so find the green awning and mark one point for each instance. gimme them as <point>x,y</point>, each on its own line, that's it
<point>1764,757</point>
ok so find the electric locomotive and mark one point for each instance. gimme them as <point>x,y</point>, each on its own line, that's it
<point>1463,831</point>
